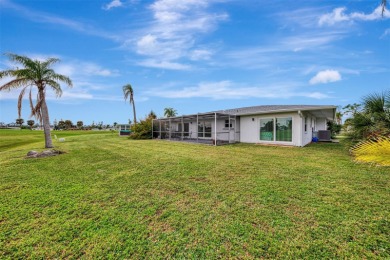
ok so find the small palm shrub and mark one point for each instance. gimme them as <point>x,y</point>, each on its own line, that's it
<point>376,150</point>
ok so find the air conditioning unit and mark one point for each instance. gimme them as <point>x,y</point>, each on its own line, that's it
<point>324,135</point>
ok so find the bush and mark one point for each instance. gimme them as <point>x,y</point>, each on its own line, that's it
<point>142,130</point>
<point>334,128</point>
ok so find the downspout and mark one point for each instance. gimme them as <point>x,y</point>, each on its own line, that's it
<point>229,130</point>
<point>197,128</point>
<point>152,128</point>
<point>182,128</point>
<point>169,128</point>
<point>215,129</point>
<point>300,128</point>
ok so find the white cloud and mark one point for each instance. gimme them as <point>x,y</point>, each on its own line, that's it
<point>174,31</point>
<point>375,15</point>
<point>164,65</point>
<point>42,17</point>
<point>385,33</point>
<point>112,4</point>
<point>200,54</point>
<point>325,76</point>
<point>338,15</point>
<point>313,41</point>
<point>83,69</point>
<point>229,90</point>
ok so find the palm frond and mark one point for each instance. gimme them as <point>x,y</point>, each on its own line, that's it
<point>58,77</point>
<point>7,73</point>
<point>128,93</point>
<point>55,86</point>
<point>20,99</point>
<point>36,110</point>
<point>49,62</point>
<point>16,83</point>
<point>374,103</point>
<point>24,60</point>
<point>31,102</point>
<point>373,151</point>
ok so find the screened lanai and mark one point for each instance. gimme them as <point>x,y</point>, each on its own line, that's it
<point>208,128</point>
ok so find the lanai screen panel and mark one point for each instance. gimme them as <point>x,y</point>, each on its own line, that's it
<point>199,128</point>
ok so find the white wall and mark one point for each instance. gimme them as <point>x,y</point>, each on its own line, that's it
<point>250,128</point>
<point>321,124</point>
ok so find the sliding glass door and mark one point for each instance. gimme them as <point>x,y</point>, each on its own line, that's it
<point>277,129</point>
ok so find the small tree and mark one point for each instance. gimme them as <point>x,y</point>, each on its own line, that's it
<point>68,124</point>
<point>19,121</point>
<point>80,124</point>
<point>31,123</point>
<point>61,124</point>
<point>152,115</point>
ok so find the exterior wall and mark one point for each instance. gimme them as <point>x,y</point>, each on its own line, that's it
<point>321,124</point>
<point>250,128</point>
<point>223,132</point>
<point>307,134</point>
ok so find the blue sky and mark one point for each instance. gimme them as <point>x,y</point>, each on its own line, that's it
<point>197,55</point>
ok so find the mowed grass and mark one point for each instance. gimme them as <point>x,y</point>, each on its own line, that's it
<point>111,197</point>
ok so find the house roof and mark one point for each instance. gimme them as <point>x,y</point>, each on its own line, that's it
<point>314,109</point>
<point>272,108</point>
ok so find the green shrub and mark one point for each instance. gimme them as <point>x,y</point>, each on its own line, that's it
<point>142,130</point>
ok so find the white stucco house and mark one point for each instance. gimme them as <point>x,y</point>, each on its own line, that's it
<point>273,124</point>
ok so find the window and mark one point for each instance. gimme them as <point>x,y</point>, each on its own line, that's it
<point>305,123</point>
<point>207,129</point>
<point>227,123</point>
<point>267,129</point>
<point>284,129</point>
<point>200,129</point>
<point>204,129</point>
<point>276,129</point>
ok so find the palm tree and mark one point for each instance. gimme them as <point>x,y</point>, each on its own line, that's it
<point>19,121</point>
<point>31,123</point>
<point>339,116</point>
<point>377,107</point>
<point>128,92</point>
<point>39,74</point>
<point>374,118</point>
<point>170,112</point>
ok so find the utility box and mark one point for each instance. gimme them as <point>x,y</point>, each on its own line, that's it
<point>324,135</point>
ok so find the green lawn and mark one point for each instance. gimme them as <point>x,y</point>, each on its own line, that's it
<point>111,197</point>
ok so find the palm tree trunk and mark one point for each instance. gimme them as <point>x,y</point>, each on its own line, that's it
<point>46,124</point>
<point>135,118</point>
